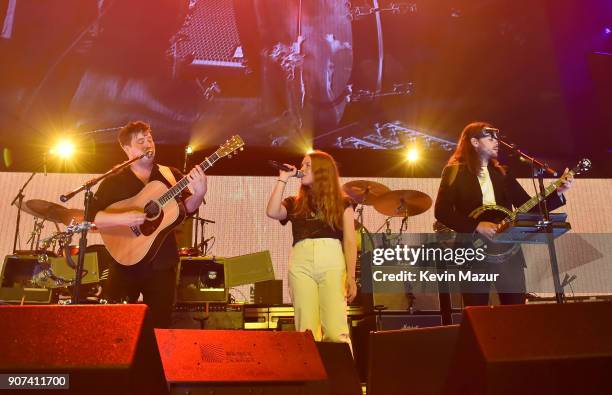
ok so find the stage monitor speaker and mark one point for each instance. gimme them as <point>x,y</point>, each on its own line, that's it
<point>269,292</point>
<point>534,349</point>
<point>240,362</point>
<point>340,367</point>
<point>105,349</point>
<point>42,271</point>
<point>16,295</point>
<point>249,269</point>
<point>18,271</point>
<point>410,361</point>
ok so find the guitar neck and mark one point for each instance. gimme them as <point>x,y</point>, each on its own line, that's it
<point>531,203</point>
<point>183,182</point>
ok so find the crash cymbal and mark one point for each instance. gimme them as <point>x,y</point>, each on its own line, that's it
<point>51,211</point>
<point>43,209</point>
<point>364,192</point>
<point>403,203</point>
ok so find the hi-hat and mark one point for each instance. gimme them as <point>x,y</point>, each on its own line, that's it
<point>364,192</point>
<point>403,203</point>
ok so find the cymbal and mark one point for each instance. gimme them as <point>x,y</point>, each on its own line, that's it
<point>403,203</point>
<point>364,192</point>
<point>51,211</point>
<point>73,213</point>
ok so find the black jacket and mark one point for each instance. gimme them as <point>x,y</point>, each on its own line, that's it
<point>459,194</point>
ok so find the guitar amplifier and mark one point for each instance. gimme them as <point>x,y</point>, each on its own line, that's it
<point>201,279</point>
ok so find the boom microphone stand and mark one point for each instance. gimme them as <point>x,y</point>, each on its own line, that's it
<point>545,224</point>
<point>87,199</point>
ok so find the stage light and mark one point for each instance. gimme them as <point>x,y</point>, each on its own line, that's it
<point>412,155</point>
<point>63,149</point>
<point>7,156</point>
<point>309,151</point>
<point>608,30</point>
<point>189,150</point>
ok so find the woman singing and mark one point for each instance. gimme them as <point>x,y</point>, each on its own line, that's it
<point>322,262</point>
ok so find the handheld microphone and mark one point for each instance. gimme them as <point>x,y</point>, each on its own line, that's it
<point>280,166</point>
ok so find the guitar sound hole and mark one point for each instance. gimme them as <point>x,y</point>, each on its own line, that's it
<point>152,209</point>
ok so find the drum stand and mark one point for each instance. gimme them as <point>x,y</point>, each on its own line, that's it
<point>19,200</point>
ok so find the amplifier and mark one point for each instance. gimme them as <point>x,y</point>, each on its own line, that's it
<point>269,292</point>
<point>201,279</point>
<point>410,321</point>
<point>208,316</point>
<point>207,307</point>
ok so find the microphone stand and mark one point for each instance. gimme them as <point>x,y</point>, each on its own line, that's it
<point>545,225</point>
<point>19,199</point>
<point>202,224</point>
<point>87,199</point>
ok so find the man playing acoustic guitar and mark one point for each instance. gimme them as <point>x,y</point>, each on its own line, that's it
<point>154,277</point>
<point>472,178</point>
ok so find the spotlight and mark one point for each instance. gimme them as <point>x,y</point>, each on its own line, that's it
<point>608,30</point>
<point>64,149</point>
<point>7,156</point>
<point>188,152</point>
<point>412,155</point>
<point>309,151</point>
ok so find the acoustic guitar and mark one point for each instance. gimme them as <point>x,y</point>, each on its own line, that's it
<point>130,245</point>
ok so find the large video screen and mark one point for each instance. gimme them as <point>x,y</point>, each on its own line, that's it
<point>358,74</point>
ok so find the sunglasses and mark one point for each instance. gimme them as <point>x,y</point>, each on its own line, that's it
<point>488,132</point>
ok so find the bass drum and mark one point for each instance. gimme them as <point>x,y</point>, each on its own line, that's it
<point>365,244</point>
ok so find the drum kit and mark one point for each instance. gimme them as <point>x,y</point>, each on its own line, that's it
<point>43,211</point>
<point>403,203</point>
<point>56,255</point>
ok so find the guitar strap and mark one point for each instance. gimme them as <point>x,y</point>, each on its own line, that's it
<point>167,173</point>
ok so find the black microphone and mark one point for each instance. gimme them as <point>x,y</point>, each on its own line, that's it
<point>282,167</point>
<point>148,154</point>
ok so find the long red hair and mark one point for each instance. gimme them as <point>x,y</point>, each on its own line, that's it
<point>324,196</point>
<point>466,154</point>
